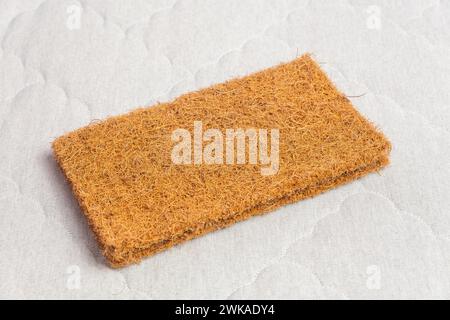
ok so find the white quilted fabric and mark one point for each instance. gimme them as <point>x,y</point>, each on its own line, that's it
<point>66,63</point>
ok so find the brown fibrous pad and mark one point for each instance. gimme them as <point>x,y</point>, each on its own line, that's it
<point>138,202</point>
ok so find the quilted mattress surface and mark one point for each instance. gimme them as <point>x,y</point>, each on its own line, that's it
<point>65,64</point>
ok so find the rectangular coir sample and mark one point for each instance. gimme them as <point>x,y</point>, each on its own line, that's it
<point>139,198</point>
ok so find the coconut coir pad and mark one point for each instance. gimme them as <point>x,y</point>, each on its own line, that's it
<point>138,202</point>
